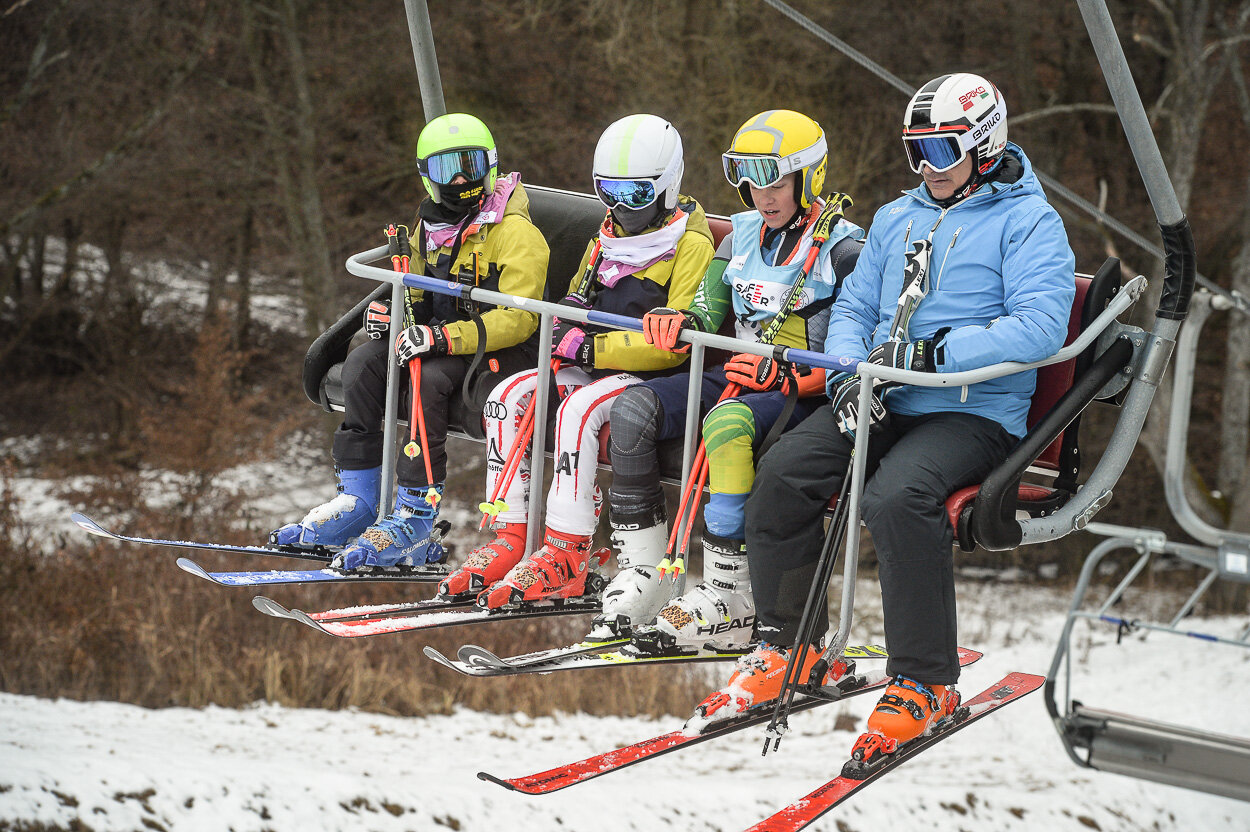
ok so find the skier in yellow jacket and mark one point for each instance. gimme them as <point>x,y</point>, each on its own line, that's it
<point>652,250</point>
<point>474,228</point>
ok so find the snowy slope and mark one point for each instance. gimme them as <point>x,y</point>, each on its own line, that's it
<point>105,766</point>
<point>116,767</point>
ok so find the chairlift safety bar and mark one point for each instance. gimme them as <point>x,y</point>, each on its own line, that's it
<point>358,265</point>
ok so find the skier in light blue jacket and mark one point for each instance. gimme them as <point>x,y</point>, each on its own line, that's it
<point>970,268</point>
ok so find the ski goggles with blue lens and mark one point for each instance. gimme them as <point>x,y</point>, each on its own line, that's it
<point>471,163</point>
<point>940,153</point>
<point>632,193</point>
<point>760,171</point>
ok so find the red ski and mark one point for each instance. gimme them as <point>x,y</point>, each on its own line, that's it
<point>569,775</point>
<point>359,622</point>
<point>802,812</point>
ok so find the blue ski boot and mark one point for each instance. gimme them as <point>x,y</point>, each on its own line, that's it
<point>332,525</point>
<point>403,538</point>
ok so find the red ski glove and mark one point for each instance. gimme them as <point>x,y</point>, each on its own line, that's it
<point>661,326</point>
<point>754,372</point>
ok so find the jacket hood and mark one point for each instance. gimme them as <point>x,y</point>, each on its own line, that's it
<point>698,218</point>
<point>518,201</point>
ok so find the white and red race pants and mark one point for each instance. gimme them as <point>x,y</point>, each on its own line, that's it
<point>580,417</point>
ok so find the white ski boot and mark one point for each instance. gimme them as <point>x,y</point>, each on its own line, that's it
<point>719,612</point>
<point>637,592</point>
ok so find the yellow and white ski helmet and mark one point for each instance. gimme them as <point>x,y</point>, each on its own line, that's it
<point>772,144</point>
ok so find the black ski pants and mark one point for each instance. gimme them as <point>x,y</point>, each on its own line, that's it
<point>358,440</point>
<point>914,464</point>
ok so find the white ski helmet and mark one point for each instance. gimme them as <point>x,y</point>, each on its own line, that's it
<point>638,160</point>
<point>953,116</point>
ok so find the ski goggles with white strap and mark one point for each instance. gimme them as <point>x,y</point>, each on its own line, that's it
<point>472,163</point>
<point>946,150</point>
<point>763,171</point>
<point>632,193</point>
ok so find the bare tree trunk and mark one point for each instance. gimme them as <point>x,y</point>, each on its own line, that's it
<point>215,296</point>
<point>1193,72</point>
<point>243,300</point>
<point>318,276</point>
<point>1232,479</point>
<point>13,280</point>
<point>118,281</point>
<point>294,162</point>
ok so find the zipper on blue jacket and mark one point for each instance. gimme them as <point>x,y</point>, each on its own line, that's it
<point>937,284</point>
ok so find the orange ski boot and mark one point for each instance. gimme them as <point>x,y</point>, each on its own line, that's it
<point>756,680</point>
<point>487,563</point>
<point>558,570</point>
<point>906,711</point>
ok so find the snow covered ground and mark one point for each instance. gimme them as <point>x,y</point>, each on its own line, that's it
<point>106,766</point>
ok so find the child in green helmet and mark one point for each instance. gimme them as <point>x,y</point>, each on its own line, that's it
<point>474,228</point>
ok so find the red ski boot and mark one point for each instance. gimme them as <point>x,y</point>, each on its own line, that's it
<point>487,563</point>
<point>558,570</point>
<point>907,710</point>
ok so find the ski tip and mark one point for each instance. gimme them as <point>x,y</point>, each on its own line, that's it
<point>270,607</point>
<point>435,656</point>
<point>90,526</point>
<point>490,778</point>
<point>1018,683</point>
<point>475,656</point>
<point>188,565</point>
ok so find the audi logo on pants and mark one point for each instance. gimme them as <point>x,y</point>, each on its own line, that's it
<point>495,410</point>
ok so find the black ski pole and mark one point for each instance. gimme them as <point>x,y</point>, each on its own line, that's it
<point>816,594</point>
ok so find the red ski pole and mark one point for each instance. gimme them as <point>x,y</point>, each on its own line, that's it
<point>698,474</point>
<point>400,252</point>
<point>516,454</point>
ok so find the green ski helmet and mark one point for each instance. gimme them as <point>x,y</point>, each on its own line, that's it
<point>457,144</point>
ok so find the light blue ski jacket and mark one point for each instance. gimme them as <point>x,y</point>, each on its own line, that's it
<point>1001,276</point>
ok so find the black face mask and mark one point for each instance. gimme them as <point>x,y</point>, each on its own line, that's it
<point>459,201</point>
<point>636,221</point>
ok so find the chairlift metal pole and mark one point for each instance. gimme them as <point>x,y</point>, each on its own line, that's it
<point>1178,284</point>
<point>1178,430</point>
<point>431,86</point>
<point>428,79</point>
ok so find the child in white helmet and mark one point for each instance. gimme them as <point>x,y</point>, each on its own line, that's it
<point>652,249</point>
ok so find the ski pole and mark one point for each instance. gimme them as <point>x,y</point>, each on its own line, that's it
<point>834,208</point>
<point>692,491</point>
<point>416,426</point>
<point>807,623</point>
<point>516,454</point>
<point>400,251</point>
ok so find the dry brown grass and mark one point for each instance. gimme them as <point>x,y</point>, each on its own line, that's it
<point>97,620</point>
<point>123,623</point>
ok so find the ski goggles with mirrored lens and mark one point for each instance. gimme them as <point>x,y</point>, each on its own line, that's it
<point>940,153</point>
<point>441,168</point>
<point>760,171</point>
<point>632,193</point>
